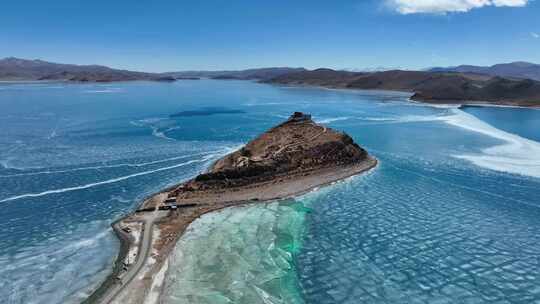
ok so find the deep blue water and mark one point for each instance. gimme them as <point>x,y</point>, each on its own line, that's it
<point>451,215</point>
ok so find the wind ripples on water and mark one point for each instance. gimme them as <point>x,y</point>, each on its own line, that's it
<point>136,165</point>
<point>408,240</point>
<point>51,249</point>
<point>60,194</point>
<point>114,180</point>
<point>54,266</point>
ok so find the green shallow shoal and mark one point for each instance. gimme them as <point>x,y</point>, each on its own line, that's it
<point>239,255</point>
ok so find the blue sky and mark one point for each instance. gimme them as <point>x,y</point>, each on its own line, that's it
<point>235,34</point>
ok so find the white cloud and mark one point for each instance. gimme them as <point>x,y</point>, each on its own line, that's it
<point>535,35</point>
<point>446,6</point>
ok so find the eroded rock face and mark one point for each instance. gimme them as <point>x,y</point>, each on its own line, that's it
<point>297,146</point>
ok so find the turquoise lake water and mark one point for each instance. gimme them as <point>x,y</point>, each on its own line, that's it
<point>451,214</point>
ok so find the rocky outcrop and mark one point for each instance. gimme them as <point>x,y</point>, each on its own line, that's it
<point>296,146</point>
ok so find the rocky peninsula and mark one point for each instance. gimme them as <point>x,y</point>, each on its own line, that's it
<point>291,158</point>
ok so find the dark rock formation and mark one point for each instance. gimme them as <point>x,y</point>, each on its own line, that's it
<point>296,146</point>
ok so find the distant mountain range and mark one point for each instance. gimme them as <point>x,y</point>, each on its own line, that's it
<point>502,83</point>
<point>433,87</point>
<point>250,74</point>
<point>525,70</point>
<point>22,69</point>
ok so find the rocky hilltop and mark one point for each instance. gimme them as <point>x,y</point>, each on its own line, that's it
<point>297,146</point>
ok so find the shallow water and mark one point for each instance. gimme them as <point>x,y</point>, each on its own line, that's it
<point>449,216</point>
<point>239,255</point>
